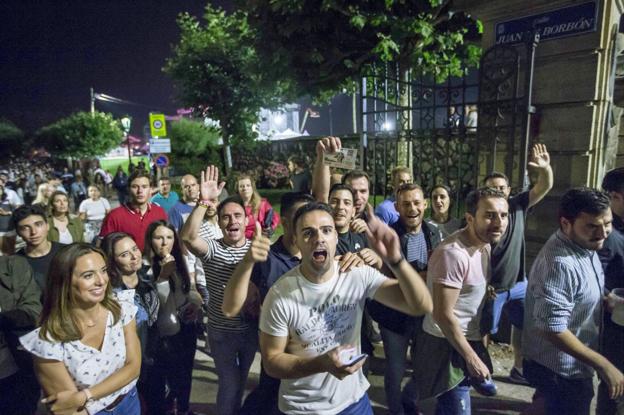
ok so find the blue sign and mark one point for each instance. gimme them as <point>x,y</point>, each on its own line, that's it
<point>569,21</point>
<point>162,160</point>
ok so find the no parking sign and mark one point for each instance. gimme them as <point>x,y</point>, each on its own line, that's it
<point>157,125</point>
<point>161,160</point>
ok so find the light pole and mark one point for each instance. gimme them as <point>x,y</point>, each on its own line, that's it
<point>126,122</point>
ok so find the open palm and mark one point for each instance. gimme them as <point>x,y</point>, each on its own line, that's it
<point>210,188</point>
<point>539,156</point>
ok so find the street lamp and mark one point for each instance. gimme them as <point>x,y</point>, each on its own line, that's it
<point>126,122</point>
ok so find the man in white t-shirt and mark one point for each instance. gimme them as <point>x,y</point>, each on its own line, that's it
<point>312,315</point>
<point>450,355</point>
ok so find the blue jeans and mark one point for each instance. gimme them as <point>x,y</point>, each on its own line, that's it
<point>361,407</point>
<point>130,405</point>
<point>395,347</point>
<point>562,395</point>
<point>233,354</point>
<point>511,300</point>
<point>455,402</point>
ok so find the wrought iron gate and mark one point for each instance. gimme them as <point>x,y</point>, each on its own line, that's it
<point>455,131</point>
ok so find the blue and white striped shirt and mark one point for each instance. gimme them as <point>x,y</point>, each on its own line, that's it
<point>564,293</point>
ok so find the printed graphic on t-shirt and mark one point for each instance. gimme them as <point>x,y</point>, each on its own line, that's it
<point>328,326</point>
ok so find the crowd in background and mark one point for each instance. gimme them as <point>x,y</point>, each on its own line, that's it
<point>111,279</point>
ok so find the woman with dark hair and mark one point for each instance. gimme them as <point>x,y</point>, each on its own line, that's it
<point>86,353</point>
<point>64,227</point>
<point>257,208</point>
<point>440,211</point>
<point>173,340</point>
<point>125,263</point>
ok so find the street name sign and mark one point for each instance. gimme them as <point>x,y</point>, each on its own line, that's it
<point>568,21</point>
<point>160,145</point>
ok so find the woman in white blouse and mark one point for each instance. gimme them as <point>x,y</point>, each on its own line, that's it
<point>86,353</point>
<point>92,212</point>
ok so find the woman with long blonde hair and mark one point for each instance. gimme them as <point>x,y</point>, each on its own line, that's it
<point>86,353</point>
<point>44,191</point>
<point>257,208</point>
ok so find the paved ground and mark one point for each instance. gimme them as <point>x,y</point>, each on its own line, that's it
<point>511,399</point>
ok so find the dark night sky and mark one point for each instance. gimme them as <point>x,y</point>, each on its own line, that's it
<point>52,52</point>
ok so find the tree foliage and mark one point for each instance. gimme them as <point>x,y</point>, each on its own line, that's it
<point>217,71</point>
<point>81,134</point>
<point>193,146</point>
<point>11,137</point>
<point>325,46</point>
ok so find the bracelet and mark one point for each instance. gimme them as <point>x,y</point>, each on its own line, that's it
<point>89,396</point>
<point>205,203</point>
<point>396,264</point>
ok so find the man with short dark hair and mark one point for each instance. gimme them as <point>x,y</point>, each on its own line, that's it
<point>507,286</point>
<point>386,210</point>
<point>233,339</point>
<point>311,317</point>
<point>448,354</point>
<point>612,258</point>
<point>32,226</point>
<point>563,311</point>
<point>165,198</point>
<point>417,239</point>
<point>137,214</point>
<point>261,266</point>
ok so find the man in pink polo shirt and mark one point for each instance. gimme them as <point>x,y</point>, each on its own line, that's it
<point>136,215</point>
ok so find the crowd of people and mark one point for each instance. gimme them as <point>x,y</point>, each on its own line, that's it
<point>101,308</point>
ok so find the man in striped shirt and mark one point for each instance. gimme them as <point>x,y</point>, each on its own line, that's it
<point>233,340</point>
<point>563,308</point>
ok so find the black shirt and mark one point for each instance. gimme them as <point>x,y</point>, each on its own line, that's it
<point>40,265</point>
<point>351,242</point>
<point>278,263</point>
<point>302,182</point>
<point>508,255</point>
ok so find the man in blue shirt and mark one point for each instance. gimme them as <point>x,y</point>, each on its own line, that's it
<point>183,208</point>
<point>386,211</point>
<point>563,310</point>
<point>165,198</point>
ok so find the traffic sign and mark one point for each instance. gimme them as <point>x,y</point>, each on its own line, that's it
<point>158,128</point>
<point>160,145</point>
<point>161,160</point>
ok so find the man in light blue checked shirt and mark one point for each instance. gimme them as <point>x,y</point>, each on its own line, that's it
<point>563,310</point>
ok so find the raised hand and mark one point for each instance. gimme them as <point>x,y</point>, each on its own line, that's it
<point>260,246</point>
<point>210,188</point>
<point>327,145</point>
<point>382,238</point>
<point>539,157</point>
